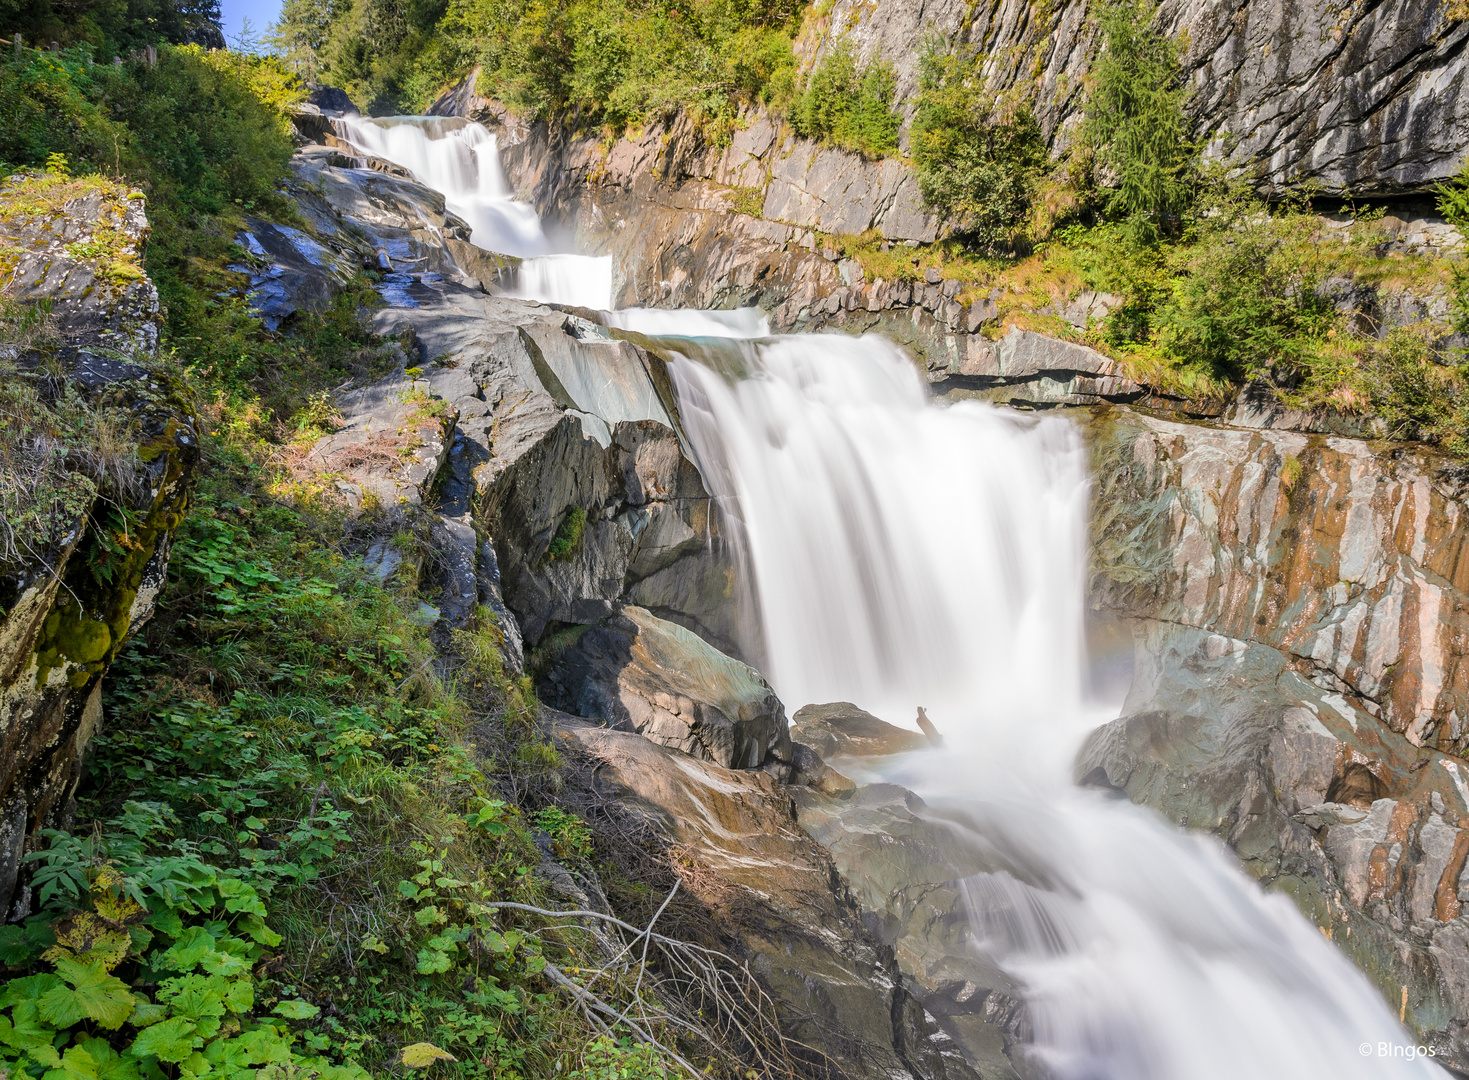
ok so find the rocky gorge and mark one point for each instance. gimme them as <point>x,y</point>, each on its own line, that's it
<point>672,543</point>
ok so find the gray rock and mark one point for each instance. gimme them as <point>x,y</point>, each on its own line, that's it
<point>775,892</point>
<point>1368,98</point>
<point>640,673</point>
<point>808,770</point>
<point>394,440</point>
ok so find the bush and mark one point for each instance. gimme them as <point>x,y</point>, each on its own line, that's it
<point>978,160</point>
<point>849,106</point>
<point>1135,125</point>
<point>1246,299</point>
<point>1416,396</point>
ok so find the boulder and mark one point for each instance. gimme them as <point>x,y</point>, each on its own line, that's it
<point>808,770</point>
<point>394,440</point>
<point>840,729</point>
<point>777,901</point>
<point>640,673</point>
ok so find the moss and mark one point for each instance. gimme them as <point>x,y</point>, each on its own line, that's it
<point>568,535</point>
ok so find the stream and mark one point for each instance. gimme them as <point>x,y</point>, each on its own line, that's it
<point>897,552</point>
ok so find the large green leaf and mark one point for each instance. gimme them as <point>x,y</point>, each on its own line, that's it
<point>173,1040</point>
<point>26,1032</point>
<point>77,1064</point>
<point>296,1010</point>
<point>110,1064</point>
<point>254,925</point>
<point>188,952</point>
<point>266,1045</point>
<point>93,995</point>
<point>31,988</point>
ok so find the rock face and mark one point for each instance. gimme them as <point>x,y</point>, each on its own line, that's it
<point>88,556</point>
<point>637,672</point>
<point>1358,96</point>
<point>1354,561</point>
<point>394,441</point>
<point>778,897</point>
<point>905,871</point>
<point>560,470</point>
<point>1299,611</point>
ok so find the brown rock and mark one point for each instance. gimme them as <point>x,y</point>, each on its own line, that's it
<point>840,729</point>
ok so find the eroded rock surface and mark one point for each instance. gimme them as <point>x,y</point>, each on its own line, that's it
<point>780,899</point>
<point>841,729</point>
<point>640,673</point>
<point>1300,625</point>
<point>1361,96</point>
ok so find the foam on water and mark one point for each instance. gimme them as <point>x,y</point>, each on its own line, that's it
<point>749,322</point>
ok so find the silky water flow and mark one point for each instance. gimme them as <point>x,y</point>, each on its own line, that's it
<point>460,159</point>
<point>898,554</point>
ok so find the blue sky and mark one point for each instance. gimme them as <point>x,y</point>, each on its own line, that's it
<point>260,12</point>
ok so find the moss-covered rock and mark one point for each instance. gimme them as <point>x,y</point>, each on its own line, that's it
<point>99,448</point>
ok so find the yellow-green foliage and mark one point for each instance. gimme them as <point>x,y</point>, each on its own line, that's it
<point>614,63</point>
<point>849,105</point>
<point>979,158</point>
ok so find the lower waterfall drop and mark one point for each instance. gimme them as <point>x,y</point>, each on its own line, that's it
<point>903,554</point>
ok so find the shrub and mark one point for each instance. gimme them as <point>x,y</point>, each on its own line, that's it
<point>1246,299</point>
<point>1416,396</point>
<point>978,159</point>
<point>848,105</point>
<point>616,63</point>
<point>1135,124</point>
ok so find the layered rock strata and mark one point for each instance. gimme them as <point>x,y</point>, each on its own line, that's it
<point>1299,606</point>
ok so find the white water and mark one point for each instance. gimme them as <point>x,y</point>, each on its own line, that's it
<point>750,322</point>
<point>461,160</point>
<point>903,554</point>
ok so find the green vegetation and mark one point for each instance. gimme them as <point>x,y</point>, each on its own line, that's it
<point>614,63</point>
<point>1135,125</point>
<point>979,161</point>
<point>848,106</point>
<point>568,534</point>
<point>111,28</point>
<point>301,818</point>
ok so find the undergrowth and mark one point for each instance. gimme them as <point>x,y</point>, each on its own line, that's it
<point>300,818</point>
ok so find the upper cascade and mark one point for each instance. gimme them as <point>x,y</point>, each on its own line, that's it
<point>461,160</point>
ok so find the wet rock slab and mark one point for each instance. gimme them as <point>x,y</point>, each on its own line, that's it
<point>782,904</point>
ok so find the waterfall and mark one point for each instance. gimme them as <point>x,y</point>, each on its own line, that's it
<point>899,554</point>
<point>460,159</point>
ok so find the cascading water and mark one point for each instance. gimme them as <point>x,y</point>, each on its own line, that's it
<point>903,554</point>
<point>461,160</point>
<point>899,554</point>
